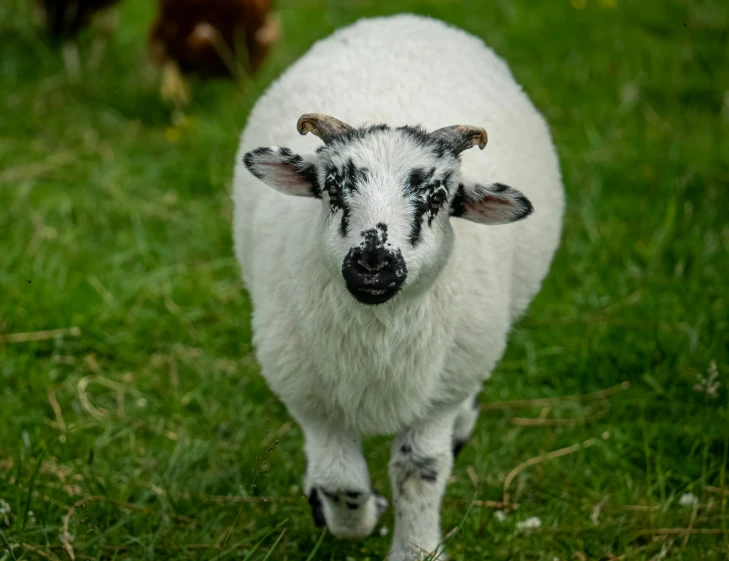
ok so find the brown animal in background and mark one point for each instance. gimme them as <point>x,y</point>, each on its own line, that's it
<point>64,19</point>
<point>206,37</point>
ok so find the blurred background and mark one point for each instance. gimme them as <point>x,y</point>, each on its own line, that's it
<point>134,423</point>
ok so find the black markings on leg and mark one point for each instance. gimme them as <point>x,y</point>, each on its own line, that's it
<point>317,510</point>
<point>414,465</point>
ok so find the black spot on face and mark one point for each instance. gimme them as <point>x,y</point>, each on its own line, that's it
<point>459,201</point>
<point>420,207</point>
<point>375,237</point>
<point>309,174</point>
<point>339,184</point>
<point>353,176</point>
<point>426,196</point>
<point>344,225</point>
<point>352,506</point>
<point>418,180</point>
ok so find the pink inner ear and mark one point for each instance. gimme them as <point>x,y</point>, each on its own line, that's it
<point>492,208</point>
<point>285,178</point>
<point>494,200</point>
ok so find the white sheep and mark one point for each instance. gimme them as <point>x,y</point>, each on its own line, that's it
<point>382,293</point>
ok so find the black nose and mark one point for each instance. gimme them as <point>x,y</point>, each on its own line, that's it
<point>372,261</point>
<point>374,274</point>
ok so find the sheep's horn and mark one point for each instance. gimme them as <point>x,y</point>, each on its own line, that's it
<point>325,127</point>
<point>462,137</point>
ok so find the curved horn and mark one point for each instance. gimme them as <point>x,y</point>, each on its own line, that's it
<point>462,137</point>
<point>325,127</point>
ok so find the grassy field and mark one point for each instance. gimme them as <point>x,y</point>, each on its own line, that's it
<point>150,416</point>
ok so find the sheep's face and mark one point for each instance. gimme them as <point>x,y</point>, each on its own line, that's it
<point>387,196</point>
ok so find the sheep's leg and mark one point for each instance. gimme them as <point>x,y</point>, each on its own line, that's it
<point>175,88</point>
<point>108,24</point>
<point>71,58</point>
<point>420,466</point>
<point>465,422</point>
<point>337,482</point>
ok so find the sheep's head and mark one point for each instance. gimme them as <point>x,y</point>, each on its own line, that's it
<point>387,197</point>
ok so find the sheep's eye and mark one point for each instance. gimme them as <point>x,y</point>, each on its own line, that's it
<point>437,199</point>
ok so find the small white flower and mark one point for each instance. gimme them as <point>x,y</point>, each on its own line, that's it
<point>709,385</point>
<point>141,402</point>
<point>384,531</point>
<point>500,515</point>
<point>4,508</point>
<point>688,499</point>
<point>529,524</point>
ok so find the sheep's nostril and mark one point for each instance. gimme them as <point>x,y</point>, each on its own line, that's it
<point>372,263</point>
<point>364,265</point>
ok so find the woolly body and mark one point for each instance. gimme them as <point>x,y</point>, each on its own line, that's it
<point>379,369</point>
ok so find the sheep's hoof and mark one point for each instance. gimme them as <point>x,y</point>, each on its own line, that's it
<point>71,59</point>
<point>348,514</point>
<point>411,554</point>
<point>458,446</point>
<point>317,511</point>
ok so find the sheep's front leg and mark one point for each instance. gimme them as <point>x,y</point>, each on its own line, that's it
<point>337,482</point>
<point>420,466</point>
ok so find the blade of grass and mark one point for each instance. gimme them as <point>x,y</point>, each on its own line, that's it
<point>31,484</point>
<point>7,545</point>
<point>316,547</point>
<point>273,547</point>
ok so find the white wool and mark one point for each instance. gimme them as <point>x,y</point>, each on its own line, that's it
<point>413,365</point>
<point>379,369</point>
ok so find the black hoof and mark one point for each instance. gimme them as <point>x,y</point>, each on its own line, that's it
<point>317,511</point>
<point>457,447</point>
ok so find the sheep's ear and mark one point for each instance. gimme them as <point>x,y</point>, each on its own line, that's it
<point>284,170</point>
<point>490,204</point>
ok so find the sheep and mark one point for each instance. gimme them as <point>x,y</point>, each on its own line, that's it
<point>204,38</point>
<point>384,289</point>
<point>65,19</point>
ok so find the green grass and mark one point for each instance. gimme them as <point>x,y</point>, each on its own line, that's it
<point>108,226</point>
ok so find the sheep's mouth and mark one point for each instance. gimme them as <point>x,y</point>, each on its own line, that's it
<point>372,295</point>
